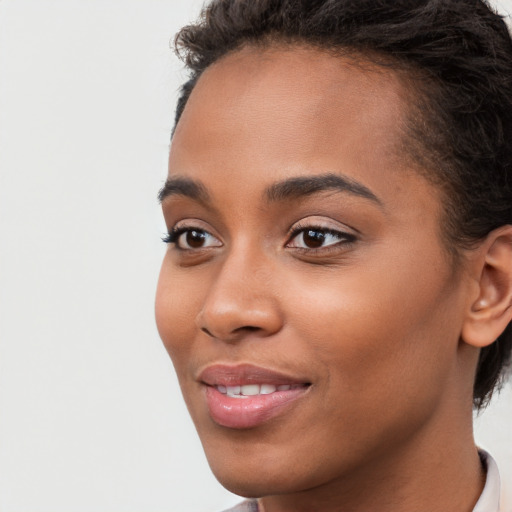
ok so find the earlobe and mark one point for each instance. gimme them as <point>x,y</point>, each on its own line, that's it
<point>491,312</point>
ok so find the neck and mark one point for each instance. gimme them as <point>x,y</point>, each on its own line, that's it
<point>436,470</point>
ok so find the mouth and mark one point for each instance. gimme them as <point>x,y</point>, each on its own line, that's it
<point>246,396</point>
<point>247,390</point>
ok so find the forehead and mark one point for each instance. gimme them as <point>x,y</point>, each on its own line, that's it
<point>288,105</point>
<point>295,94</point>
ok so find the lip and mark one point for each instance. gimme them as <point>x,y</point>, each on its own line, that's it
<point>240,374</point>
<point>248,411</point>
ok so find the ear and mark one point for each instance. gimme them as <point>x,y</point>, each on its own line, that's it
<point>491,311</point>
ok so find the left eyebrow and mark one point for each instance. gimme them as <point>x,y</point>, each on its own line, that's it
<point>178,186</point>
<point>301,186</point>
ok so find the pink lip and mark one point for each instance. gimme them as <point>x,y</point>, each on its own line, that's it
<point>238,375</point>
<point>251,411</point>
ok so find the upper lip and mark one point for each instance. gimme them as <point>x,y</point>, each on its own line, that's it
<point>240,374</point>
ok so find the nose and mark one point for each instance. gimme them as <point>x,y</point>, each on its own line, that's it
<point>241,301</point>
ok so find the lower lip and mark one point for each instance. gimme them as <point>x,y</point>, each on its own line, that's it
<point>250,411</point>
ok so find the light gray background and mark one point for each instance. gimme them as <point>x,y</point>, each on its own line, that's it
<point>91,418</point>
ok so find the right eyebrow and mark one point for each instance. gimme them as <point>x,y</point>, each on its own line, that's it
<point>302,186</point>
<point>179,186</point>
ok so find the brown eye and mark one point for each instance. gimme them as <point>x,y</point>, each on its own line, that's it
<point>190,239</point>
<point>195,239</point>
<point>313,239</point>
<point>318,238</point>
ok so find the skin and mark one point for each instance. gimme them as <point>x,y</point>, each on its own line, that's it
<point>372,319</point>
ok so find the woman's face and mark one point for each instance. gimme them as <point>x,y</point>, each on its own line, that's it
<point>305,271</point>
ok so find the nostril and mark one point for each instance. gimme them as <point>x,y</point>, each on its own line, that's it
<point>235,333</point>
<point>247,328</point>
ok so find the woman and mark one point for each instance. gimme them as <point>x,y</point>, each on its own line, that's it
<point>338,286</point>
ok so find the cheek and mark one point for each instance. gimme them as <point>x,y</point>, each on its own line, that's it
<point>178,299</point>
<point>380,333</point>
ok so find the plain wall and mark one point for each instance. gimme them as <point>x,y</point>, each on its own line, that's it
<point>91,417</point>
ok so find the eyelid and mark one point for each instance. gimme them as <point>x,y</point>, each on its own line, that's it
<point>344,237</point>
<point>321,224</point>
<point>346,234</point>
<point>184,226</point>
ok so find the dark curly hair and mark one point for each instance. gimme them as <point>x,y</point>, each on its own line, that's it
<point>458,56</point>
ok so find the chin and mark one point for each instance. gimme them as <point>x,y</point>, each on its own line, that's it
<point>255,484</point>
<point>256,472</point>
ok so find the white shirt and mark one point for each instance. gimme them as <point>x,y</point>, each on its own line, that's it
<point>490,498</point>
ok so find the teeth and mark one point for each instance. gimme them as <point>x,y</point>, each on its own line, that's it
<point>253,389</point>
<point>233,390</point>
<point>250,389</point>
<point>266,389</point>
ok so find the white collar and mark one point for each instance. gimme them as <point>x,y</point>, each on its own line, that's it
<point>490,498</point>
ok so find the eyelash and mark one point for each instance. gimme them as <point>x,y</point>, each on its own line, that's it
<point>345,238</point>
<point>173,235</point>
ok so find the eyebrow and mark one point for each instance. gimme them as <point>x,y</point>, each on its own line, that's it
<point>177,186</point>
<point>301,186</point>
<point>291,188</point>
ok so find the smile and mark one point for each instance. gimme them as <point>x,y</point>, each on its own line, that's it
<point>246,396</point>
<point>248,390</point>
